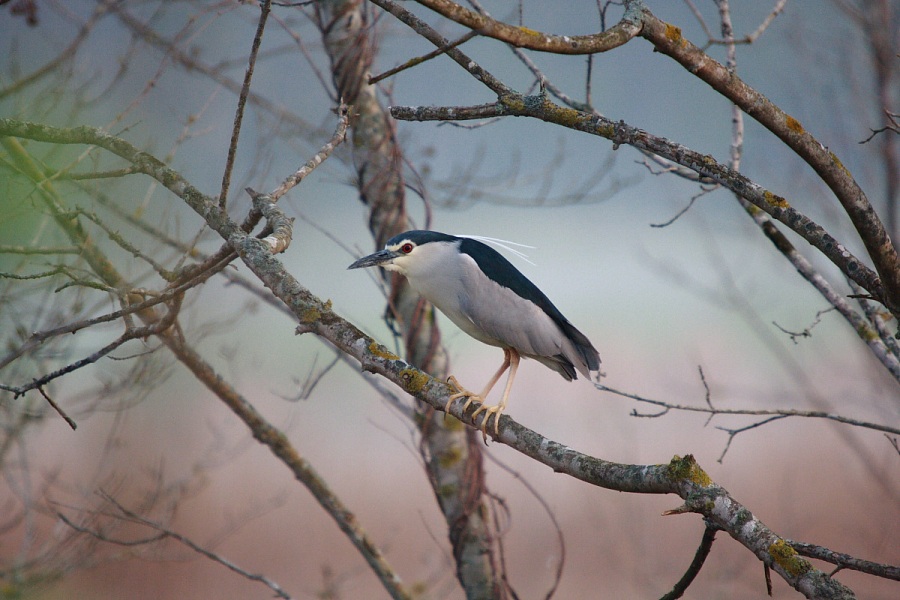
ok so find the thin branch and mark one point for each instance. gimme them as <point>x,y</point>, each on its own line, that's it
<point>67,54</point>
<point>27,250</point>
<point>703,550</point>
<point>561,540</point>
<point>845,561</point>
<point>130,334</point>
<point>58,410</point>
<point>806,333</point>
<point>733,433</point>
<point>190,278</point>
<point>340,134</point>
<point>668,39</point>
<point>191,64</point>
<point>893,127</point>
<point>747,39</point>
<point>778,413</point>
<point>126,245</point>
<point>427,32</point>
<point>668,166</point>
<point>703,191</point>
<point>265,8</point>
<point>303,471</point>
<point>414,62</point>
<point>166,533</point>
<point>544,81</point>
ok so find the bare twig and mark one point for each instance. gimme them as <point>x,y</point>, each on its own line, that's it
<point>303,471</point>
<point>26,250</point>
<point>67,54</point>
<point>845,561</point>
<point>777,413</point>
<point>747,39</point>
<point>58,410</point>
<point>703,550</point>
<point>414,62</point>
<point>264,9</point>
<point>806,333</point>
<point>340,133</point>
<point>703,191</point>
<point>166,533</point>
<point>732,433</point>
<point>893,127</point>
<point>550,514</point>
<point>130,334</point>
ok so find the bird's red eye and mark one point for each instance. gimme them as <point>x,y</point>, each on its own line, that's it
<point>406,248</point>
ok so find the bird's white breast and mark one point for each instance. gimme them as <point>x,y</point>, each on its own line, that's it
<point>484,309</point>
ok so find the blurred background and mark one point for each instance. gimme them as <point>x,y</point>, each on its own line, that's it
<point>659,302</point>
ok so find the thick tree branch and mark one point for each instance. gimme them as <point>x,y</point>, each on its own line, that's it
<point>303,471</point>
<point>540,107</point>
<point>682,476</point>
<point>261,429</point>
<point>523,37</point>
<point>668,39</point>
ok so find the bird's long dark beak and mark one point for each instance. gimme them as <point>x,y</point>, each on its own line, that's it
<point>373,260</point>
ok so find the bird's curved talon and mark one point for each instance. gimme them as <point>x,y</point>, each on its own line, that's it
<point>488,411</point>
<point>460,392</point>
<point>472,398</point>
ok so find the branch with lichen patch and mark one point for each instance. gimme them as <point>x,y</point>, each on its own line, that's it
<point>668,39</point>
<point>540,107</point>
<point>522,37</point>
<point>681,476</point>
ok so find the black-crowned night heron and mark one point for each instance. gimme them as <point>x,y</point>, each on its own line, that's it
<point>488,298</point>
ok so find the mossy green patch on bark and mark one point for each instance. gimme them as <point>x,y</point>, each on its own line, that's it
<point>775,200</point>
<point>311,315</point>
<point>530,32</point>
<point>413,380</point>
<point>382,352</point>
<point>681,469</point>
<point>673,34</point>
<point>793,124</point>
<point>788,559</point>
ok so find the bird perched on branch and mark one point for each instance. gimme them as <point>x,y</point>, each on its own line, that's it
<point>488,298</point>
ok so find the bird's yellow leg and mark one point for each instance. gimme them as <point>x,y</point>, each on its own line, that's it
<point>462,392</point>
<point>512,358</point>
